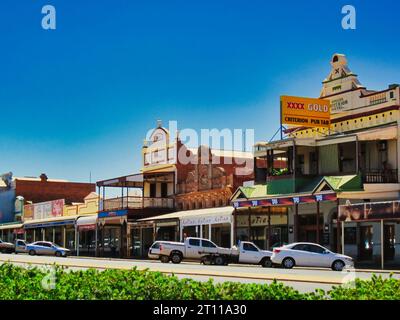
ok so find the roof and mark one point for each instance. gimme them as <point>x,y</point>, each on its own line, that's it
<point>306,186</point>
<point>133,180</point>
<point>225,153</point>
<point>192,213</point>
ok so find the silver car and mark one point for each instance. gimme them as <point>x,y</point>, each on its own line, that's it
<point>46,248</point>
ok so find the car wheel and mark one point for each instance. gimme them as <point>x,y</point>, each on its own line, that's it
<point>164,259</point>
<point>267,263</point>
<point>58,254</point>
<point>32,252</point>
<point>288,263</point>
<point>219,261</point>
<point>206,260</point>
<point>338,265</point>
<point>176,258</point>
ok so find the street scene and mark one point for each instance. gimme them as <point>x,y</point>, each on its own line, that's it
<point>159,165</point>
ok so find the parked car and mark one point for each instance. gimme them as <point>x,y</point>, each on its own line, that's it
<point>307,254</point>
<point>46,248</point>
<point>6,247</point>
<point>208,252</point>
<point>21,246</point>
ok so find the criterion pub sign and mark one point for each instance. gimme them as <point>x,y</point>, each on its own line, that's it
<point>305,112</point>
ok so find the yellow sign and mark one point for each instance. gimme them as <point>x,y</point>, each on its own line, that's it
<point>307,112</point>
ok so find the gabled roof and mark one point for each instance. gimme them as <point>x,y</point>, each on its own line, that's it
<point>285,187</point>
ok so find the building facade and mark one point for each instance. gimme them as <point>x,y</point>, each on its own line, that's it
<point>354,160</point>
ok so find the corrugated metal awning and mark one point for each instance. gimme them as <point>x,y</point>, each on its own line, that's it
<point>200,216</point>
<point>386,133</point>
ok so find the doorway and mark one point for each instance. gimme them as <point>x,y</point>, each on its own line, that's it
<point>389,241</point>
<point>365,245</point>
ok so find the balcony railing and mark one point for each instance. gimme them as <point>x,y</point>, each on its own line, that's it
<point>380,176</point>
<point>131,202</point>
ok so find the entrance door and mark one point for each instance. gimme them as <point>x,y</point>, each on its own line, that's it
<point>136,242</point>
<point>147,240</point>
<point>389,242</point>
<point>365,246</point>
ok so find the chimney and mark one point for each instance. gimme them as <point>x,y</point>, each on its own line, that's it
<point>43,177</point>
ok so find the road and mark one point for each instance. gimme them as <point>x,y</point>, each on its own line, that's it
<point>302,279</point>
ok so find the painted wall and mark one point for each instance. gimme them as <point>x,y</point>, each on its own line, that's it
<point>7,203</point>
<point>90,206</point>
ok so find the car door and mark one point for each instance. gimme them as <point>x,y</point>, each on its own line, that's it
<point>322,257</point>
<point>249,253</point>
<point>299,254</point>
<point>193,248</point>
<point>314,256</point>
<point>39,248</point>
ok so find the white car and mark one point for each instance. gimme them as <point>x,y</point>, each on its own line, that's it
<point>305,254</point>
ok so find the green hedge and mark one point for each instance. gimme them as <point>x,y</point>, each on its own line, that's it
<point>26,283</point>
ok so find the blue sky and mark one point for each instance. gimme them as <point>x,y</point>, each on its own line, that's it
<point>81,98</point>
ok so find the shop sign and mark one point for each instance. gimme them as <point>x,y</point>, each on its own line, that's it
<point>87,227</point>
<point>19,231</point>
<point>308,112</point>
<point>286,201</point>
<point>259,221</point>
<point>370,211</point>
<point>110,214</point>
<point>195,221</point>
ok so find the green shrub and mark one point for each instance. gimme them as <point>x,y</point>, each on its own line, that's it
<point>26,283</point>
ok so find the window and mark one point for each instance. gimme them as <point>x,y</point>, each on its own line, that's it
<point>301,247</point>
<point>153,189</point>
<point>249,247</point>
<point>208,244</point>
<point>156,245</point>
<point>315,249</point>
<point>164,190</point>
<point>194,242</point>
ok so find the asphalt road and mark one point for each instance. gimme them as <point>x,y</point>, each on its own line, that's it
<point>302,279</point>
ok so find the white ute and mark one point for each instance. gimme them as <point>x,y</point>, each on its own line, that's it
<point>209,253</point>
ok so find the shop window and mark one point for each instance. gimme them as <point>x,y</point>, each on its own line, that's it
<point>350,235</point>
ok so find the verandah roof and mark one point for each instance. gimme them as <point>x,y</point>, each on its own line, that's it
<point>284,187</point>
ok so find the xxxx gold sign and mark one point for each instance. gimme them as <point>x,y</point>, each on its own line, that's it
<point>307,112</point>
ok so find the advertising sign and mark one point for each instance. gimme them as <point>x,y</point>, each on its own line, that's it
<point>44,210</point>
<point>370,211</point>
<point>307,112</point>
<point>28,212</point>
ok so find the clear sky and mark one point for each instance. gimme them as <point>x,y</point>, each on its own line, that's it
<point>82,97</point>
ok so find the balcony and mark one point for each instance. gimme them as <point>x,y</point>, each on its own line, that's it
<point>380,176</point>
<point>132,202</point>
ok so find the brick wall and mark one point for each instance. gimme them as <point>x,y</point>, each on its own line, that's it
<point>41,191</point>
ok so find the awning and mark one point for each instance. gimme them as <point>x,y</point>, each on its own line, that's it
<point>131,181</point>
<point>50,222</point>
<point>385,133</point>
<point>87,223</point>
<point>336,140</point>
<point>198,217</point>
<point>11,226</point>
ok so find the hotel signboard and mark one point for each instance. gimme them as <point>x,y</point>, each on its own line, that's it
<point>305,112</point>
<point>368,211</point>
